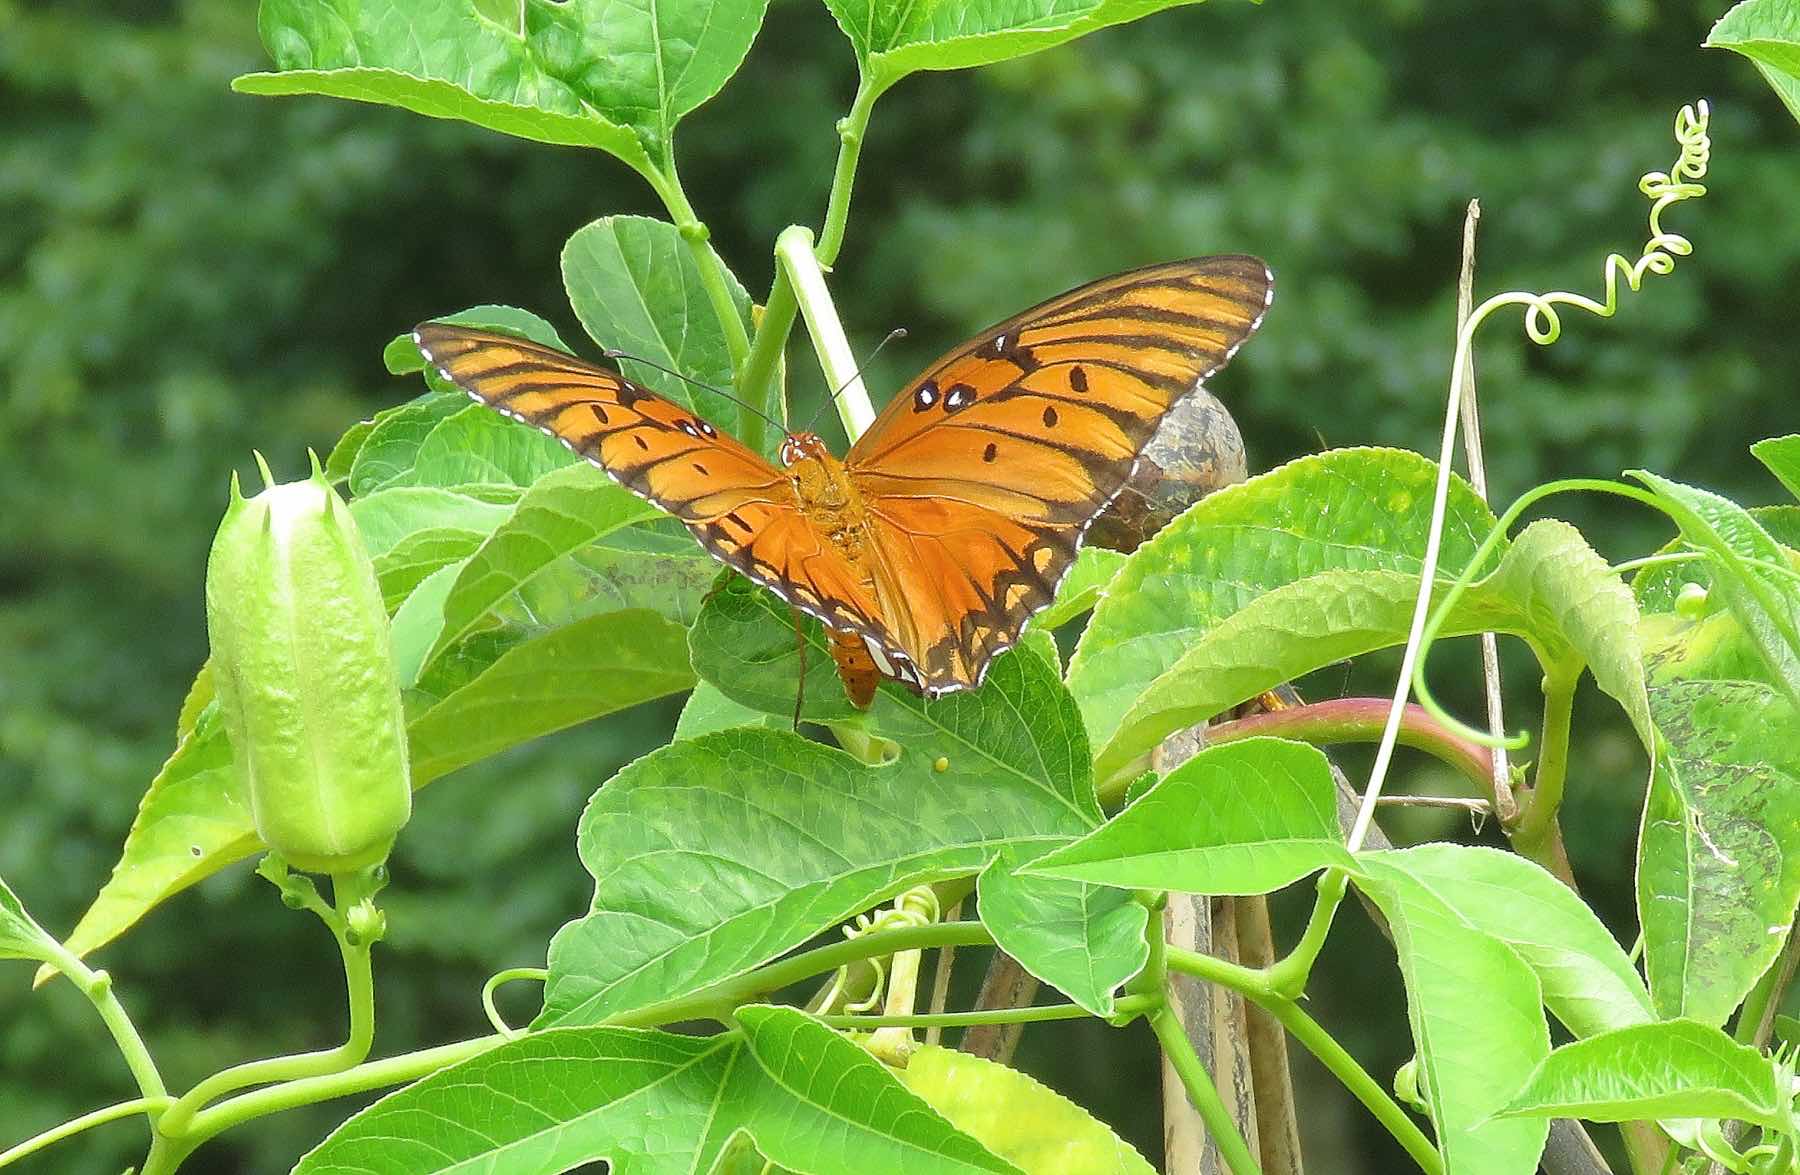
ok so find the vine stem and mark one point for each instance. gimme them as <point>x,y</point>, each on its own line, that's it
<point>713,278</point>
<point>1360,720</point>
<point>142,1105</point>
<point>1124,1006</point>
<point>1202,1092</point>
<point>794,252</point>
<point>1542,326</point>
<point>1536,826</point>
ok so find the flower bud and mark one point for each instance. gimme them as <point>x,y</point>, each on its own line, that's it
<point>304,670</point>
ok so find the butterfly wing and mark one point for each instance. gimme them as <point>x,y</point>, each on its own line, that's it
<point>741,508</point>
<point>982,476</point>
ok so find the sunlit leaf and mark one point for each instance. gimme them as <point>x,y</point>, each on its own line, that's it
<point>1084,940</point>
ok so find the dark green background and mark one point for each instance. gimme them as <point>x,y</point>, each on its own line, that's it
<point>185,274</point>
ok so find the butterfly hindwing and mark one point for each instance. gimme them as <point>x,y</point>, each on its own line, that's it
<point>984,473</point>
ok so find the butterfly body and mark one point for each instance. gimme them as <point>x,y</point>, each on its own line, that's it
<point>954,517</point>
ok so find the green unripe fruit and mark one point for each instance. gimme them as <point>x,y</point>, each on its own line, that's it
<point>304,670</point>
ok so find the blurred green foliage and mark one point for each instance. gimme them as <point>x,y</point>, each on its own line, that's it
<point>185,273</point>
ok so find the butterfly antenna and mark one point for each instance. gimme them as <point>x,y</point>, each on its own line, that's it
<point>898,332</point>
<point>614,353</point>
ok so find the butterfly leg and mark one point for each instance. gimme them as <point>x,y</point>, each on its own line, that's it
<point>800,684</point>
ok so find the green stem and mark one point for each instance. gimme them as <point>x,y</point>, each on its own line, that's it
<point>1356,1079</point>
<point>142,1105</point>
<point>794,253</point>
<point>716,1002</point>
<point>177,1122</point>
<point>1287,976</point>
<point>1127,1006</point>
<point>756,379</point>
<point>1360,720</point>
<point>1252,983</point>
<point>357,1079</point>
<point>1537,822</point>
<point>713,277</point>
<point>1202,1092</point>
<point>97,986</point>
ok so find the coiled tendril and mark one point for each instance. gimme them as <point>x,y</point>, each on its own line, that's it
<point>918,906</point>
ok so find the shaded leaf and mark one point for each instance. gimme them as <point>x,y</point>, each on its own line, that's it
<point>1719,851</point>
<point>20,936</point>
<point>1672,1069</point>
<point>1081,589</point>
<point>1084,940</point>
<point>1782,454</point>
<point>1477,1022</point>
<point>1016,1117</point>
<point>1750,571</point>
<point>713,855</point>
<point>1656,587</point>
<point>708,710</point>
<point>389,517</point>
<point>636,288</point>
<point>1765,31</point>
<point>1244,817</point>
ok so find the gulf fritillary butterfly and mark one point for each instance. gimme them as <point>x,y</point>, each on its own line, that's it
<point>955,516</point>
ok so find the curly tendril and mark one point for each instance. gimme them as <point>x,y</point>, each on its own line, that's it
<point>918,906</point>
<point>1542,326</point>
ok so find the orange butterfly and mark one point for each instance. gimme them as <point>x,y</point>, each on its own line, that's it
<point>955,516</point>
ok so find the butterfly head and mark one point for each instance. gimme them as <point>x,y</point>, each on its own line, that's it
<point>802,446</point>
<point>819,477</point>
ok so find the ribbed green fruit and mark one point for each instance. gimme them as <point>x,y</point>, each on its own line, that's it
<point>304,669</point>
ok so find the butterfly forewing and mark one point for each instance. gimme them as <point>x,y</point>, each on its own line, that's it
<point>741,508</point>
<point>984,473</point>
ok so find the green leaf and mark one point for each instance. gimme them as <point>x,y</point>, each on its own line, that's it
<point>653,1103</point>
<point>1081,589</point>
<point>714,855</point>
<point>593,667</point>
<point>1343,510</point>
<point>403,357</point>
<point>1672,1069</point>
<point>1587,981</point>
<point>1280,636</point>
<point>744,644</point>
<point>1244,817</point>
<point>893,38</point>
<point>20,936</point>
<point>589,73</point>
<point>708,709</point>
<point>636,287</point>
<point>419,556</point>
<point>561,513</point>
<point>477,446</point>
<point>1084,940</point>
<point>1750,570</point>
<point>391,447</point>
<point>1765,31</point>
<point>1024,1122</point>
<point>1477,1023</point>
<point>1781,455</point>
<point>389,517</point>
<point>1719,851</point>
<point>1656,587</point>
<point>1576,612</point>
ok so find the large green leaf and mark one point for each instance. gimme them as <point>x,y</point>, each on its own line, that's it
<point>1343,510</point>
<point>636,287</point>
<point>1084,940</point>
<point>387,518</point>
<point>708,709</point>
<point>1244,817</point>
<point>1750,570</point>
<point>1719,851</point>
<point>893,38</point>
<point>1477,1022</point>
<point>1587,981</point>
<point>652,1103</point>
<point>715,854</point>
<point>1279,636</point>
<point>20,936</point>
<point>1016,1117</point>
<point>1081,589</point>
<point>592,73</point>
<point>1672,1069</point>
<point>561,513</point>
